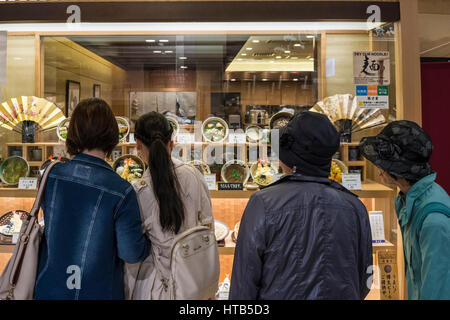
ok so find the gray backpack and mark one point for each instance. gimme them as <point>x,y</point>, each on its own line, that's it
<point>194,266</point>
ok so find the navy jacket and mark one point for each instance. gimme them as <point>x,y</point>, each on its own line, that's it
<point>303,238</point>
<point>92,225</point>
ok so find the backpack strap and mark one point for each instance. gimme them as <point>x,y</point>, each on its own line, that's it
<point>430,208</point>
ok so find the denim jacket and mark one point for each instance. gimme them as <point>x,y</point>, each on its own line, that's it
<point>92,226</point>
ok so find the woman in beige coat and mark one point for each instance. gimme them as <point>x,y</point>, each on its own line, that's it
<point>173,197</point>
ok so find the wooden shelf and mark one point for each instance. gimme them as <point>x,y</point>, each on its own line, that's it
<point>7,248</point>
<point>370,190</point>
<point>229,249</point>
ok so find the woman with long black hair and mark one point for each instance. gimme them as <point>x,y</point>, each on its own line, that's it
<point>173,198</point>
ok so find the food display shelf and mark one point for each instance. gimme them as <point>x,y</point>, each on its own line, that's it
<point>369,190</point>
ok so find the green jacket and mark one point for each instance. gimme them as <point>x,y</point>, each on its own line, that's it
<point>424,218</point>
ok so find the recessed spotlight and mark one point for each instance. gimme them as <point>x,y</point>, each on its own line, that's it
<point>297,45</point>
<point>249,49</point>
<point>255,41</point>
<point>168,51</point>
<point>295,79</point>
<point>310,37</point>
<point>183,67</point>
<point>311,59</point>
<point>232,79</point>
<point>156,51</point>
<point>150,40</point>
<point>265,79</point>
<point>240,59</point>
<point>243,54</point>
<point>278,57</point>
<point>287,51</point>
<point>163,40</point>
<point>183,58</point>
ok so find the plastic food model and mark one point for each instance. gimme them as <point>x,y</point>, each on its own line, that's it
<point>201,166</point>
<point>221,230</point>
<point>335,172</point>
<point>12,226</point>
<point>263,175</point>
<point>214,131</point>
<point>13,169</point>
<point>174,123</point>
<point>235,173</point>
<point>130,170</point>
<point>124,127</point>
<point>122,130</point>
<point>62,129</point>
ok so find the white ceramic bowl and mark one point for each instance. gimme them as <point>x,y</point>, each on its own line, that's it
<point>211,119</point>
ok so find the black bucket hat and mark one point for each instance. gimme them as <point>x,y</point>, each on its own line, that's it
<point>403,149</point>
<point>308,143</point>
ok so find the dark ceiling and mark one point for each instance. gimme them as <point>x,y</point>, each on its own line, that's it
<point>135,53</point>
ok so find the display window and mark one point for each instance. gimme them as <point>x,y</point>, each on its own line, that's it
<point>226,88</point>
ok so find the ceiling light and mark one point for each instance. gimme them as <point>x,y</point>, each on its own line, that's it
<point>156,51</point>
<point>183,67</point>
<point>311,59</point>
<point>308,57</point>
<point>297,45</point>
<point>168,51</point>
<point>287,51</point>
<point>163,40</point>
<point>240,59</point>
<point>150,40</point>
<point>295,79</point>
<point>232,79</point>
<point>255,41</point>
<point>265,79</point>
<point>183,58</point>
<point>249,49</point>
<point>278,57</point>
<point>271,61</point>
<point>243,54</point>
<point>310,37</point>
<point>294,58</point>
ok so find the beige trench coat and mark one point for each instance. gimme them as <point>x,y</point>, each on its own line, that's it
<point>143,281</point>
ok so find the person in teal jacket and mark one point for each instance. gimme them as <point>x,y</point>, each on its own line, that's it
<point>402,152</point>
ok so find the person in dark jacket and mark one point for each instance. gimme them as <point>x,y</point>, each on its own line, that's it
<point>305,236</point>
<point>402,152</point>
<point>92,218</point>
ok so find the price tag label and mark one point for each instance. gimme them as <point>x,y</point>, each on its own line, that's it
<point>15,237</point>
<point>185,138</point>
<point>352,181</point>
<point>237,138</point>
<point>230,186</point>
<point>28,183</point>
<point>377,226</point>
<point>210,181</point>
<point>131,138</point>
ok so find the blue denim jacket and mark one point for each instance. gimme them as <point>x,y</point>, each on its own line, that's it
<point>92,225</point>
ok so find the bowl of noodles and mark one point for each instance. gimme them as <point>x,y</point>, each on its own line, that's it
<point>12,169</point>
<point>235,171</point>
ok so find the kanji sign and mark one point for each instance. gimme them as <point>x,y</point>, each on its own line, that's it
<point>371,68</point>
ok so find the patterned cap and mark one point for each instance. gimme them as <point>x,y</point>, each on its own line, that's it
<point>403,149</point>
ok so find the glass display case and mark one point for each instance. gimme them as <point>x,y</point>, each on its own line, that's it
<point>245,75</point>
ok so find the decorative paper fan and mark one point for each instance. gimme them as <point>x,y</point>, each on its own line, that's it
<point>30,110</point>
<point>344,113</point>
